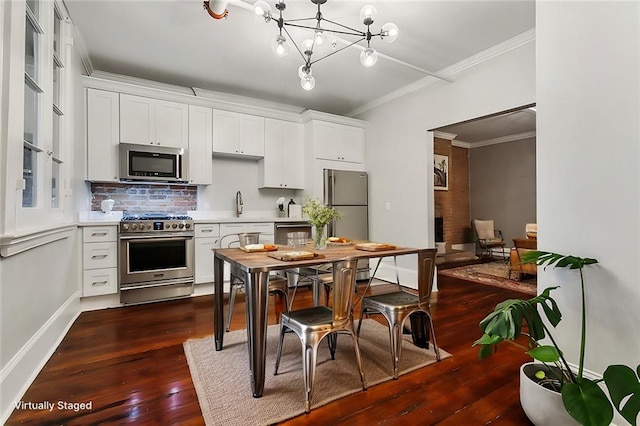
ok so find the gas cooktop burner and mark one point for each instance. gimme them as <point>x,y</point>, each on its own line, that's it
<point>154,216</point>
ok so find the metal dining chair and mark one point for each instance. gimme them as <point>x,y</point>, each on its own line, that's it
<point>399,305</point>
<point>277,285</point>
<point>311,325</point>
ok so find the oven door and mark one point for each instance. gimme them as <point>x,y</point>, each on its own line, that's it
<point>147,258</point>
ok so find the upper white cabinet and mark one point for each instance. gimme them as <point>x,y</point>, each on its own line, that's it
<point>147,121</point>
<point>238,134</point>
<point>200,145</point>
<point>283,162</point>
<point>337,142</point>
<point>103,128</point>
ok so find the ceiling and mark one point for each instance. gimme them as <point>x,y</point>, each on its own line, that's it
<point>176,42</point>
<point>503,127</point>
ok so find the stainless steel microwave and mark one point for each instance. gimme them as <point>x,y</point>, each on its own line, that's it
<point>153,163</point>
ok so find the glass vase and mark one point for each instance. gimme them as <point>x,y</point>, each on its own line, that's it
<point>320,238</point>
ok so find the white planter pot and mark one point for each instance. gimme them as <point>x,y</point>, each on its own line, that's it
<point>541,405</point>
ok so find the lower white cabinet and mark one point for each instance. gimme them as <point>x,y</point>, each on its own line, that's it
<point>99,260</point>
<point>96,282</point>
<point>207,238</point>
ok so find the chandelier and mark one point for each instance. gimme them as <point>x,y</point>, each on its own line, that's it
<point>322,29</point>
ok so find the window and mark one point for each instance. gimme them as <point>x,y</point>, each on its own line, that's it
<point>32,105</point>
<point>43,141</point>
<point>58,73</point>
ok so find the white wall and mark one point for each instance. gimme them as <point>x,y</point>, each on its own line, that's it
<point>231,175</point>
<point>399,148</point>
<point>588,104</point>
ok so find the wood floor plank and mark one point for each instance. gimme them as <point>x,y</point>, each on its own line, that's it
<point>129,362</point>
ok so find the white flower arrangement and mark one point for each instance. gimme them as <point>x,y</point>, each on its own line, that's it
<point>280,203</point>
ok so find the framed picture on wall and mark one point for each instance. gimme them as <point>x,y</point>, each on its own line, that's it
<point>440,172</point>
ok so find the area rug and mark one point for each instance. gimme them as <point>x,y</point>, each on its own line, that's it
<point>493,273</point>
<point>221,378</point>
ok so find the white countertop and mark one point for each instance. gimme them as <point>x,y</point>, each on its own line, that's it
<point>99,218</point>
<point>93,218</point>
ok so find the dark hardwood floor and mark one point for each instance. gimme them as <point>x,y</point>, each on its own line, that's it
<point>130,365</point>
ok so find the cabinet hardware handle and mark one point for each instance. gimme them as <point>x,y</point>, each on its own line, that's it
<point>207,230</point>
<point>95,234</point>
<point>98,283</point>
<point>99,256</point>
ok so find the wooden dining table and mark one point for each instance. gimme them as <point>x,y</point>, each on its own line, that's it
<point>254,269</point>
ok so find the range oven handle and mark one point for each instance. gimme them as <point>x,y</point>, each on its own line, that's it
<point>156,237</point>
<point>155,284</point>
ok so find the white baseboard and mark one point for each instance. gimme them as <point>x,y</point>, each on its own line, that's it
<point>18,374</point>
<point>408,277</point>
<point>464,247</point>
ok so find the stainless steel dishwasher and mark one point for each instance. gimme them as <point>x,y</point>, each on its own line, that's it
<point>281,229</point>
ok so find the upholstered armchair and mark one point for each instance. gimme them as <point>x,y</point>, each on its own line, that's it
<point>487,237</point>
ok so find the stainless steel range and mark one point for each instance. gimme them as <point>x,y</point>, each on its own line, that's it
<point>156,257</point>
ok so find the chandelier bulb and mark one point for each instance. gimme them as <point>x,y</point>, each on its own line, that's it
<point>368,14</point>
<point>304,70</point>
<point>369,57</point>
<point>389,32</point>
<point>307,46</point>
<point>308,82</point>
<point>280,46</point>
<point>262,11</point>
<point>319,36</point>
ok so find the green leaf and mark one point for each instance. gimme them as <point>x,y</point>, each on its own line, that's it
<point>486,351</point>
<point>487,339</point>
<point>545,353</point>
<point>587,403</point>
<point>623,383</point>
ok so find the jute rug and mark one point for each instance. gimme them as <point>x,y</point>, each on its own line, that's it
<point>493,273</point>
<point>221,378</point>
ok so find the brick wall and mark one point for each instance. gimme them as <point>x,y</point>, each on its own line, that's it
<point>453,204</point>
<point>145,197</point>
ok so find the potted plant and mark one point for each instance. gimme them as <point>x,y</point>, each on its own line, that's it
<point>582,398</point>
<point>319,215</point>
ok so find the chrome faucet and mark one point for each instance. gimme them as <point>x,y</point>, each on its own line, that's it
<point>239,204</point>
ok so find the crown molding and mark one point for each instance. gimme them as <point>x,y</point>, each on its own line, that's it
<point>192,95</point>
<point>309,115</point>
<point>504,139</point>
<point>444,135</point>
<point>472,61</point>
<point>461,144</point>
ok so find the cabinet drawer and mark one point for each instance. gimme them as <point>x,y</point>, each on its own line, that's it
<point>99,255</point>
<point>100,281</point>
<point>231,228</point>
<point>207,230</point>
<point>98,234</point>
<point>265,228</point>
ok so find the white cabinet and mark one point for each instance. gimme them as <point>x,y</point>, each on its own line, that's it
<point>147,121</point>
<point>238,134</point>
<point>207,238</point>
<point>103,135</point>
<point>99,260</point>
<point>283,162</point>
<point>337,142</point>
<point>200,145</point>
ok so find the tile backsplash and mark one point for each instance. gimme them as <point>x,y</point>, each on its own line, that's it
<point>145,197</point>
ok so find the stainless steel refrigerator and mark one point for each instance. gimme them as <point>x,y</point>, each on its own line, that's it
<point>347,192</point>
